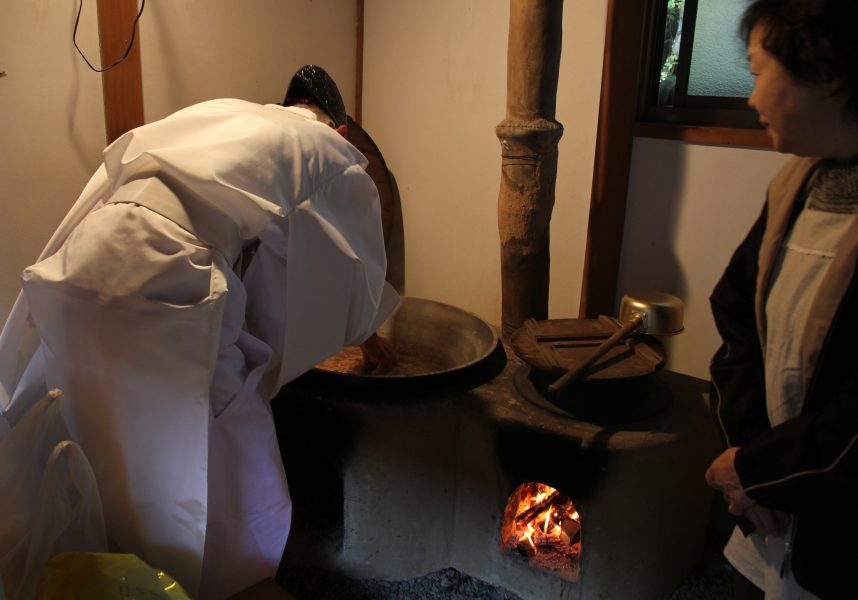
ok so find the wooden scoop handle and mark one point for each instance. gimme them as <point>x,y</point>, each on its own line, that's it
<point>572,374</point>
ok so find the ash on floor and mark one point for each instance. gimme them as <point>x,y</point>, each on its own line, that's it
<point>449,584</point>
<point>715,583</point>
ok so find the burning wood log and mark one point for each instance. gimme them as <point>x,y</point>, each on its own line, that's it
<point>572,529</point>
<point>526,548</point>
<point>548,541</point>
<point>533,511</point>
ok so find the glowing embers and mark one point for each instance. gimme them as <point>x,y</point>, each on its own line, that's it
<point>542,525</point>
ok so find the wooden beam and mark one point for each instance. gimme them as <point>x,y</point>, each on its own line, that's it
<point>623,37</point>
<point>359,62</point>
<point>123,84</point>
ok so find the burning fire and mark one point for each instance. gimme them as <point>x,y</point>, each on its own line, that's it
<point>542,524</point>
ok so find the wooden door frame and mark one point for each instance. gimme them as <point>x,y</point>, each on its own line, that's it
<point>614,138</point>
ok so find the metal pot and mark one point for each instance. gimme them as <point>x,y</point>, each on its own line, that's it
<point>662,314</point>
<point>431,339</point>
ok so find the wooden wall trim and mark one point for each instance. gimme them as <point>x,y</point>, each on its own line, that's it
<point>123,85</point>
<point>359,62</point>
<point>724,136</point>
<point>617,109</point>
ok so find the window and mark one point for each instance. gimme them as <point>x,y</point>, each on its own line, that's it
<point>695,65</point>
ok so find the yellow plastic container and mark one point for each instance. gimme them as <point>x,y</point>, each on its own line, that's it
<point>105,576</point>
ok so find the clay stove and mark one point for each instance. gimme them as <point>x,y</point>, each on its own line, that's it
<point>391,482</point>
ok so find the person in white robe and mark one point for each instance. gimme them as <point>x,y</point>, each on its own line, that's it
<point>169,346</point>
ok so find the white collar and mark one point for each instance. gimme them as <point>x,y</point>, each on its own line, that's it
<point>297,109</point>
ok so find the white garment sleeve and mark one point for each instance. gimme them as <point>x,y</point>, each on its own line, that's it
<point>21,371</point>
<point>317,282</point>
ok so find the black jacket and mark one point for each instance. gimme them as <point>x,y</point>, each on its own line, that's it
<point>807,466</point>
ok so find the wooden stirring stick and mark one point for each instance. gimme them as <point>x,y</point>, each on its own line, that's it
<point>573,374</point>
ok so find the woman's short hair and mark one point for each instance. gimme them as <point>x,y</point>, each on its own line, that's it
<point>816,40</point>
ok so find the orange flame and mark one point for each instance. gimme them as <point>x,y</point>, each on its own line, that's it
<point>541,528</point>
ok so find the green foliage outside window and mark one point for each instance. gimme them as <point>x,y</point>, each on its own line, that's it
<point>672,31</point>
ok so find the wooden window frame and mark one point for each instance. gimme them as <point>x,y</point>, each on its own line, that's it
<point>702,119</point>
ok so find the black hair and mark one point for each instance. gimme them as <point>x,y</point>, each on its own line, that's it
<point>815,40</point>
<point>311,83</point>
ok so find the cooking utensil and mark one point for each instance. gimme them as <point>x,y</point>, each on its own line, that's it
<point>431,339</point>
<point>654,313</point>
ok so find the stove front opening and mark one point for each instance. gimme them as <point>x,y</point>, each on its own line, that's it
<point>542,526</point>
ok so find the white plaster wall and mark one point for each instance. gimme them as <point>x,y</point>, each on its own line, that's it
<point>434,90</point>
<point>195,50</point>
<point>51,108</point>
<point>689,206</point>
<point>51,126</point>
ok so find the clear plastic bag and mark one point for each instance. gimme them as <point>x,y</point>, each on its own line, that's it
<point>49,501</point>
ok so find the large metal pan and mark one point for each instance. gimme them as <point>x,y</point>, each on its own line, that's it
<point>431,339</point>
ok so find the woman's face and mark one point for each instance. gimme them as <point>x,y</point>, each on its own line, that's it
<point>801,118</point>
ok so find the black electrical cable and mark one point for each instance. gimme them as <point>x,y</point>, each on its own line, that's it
<point>127,50</point>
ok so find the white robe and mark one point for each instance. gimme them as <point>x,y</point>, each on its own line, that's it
<point>166,358</point>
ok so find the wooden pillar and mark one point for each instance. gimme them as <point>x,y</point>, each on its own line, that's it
<point>623,35</point>
<point>529,135</point>
<point>123,84</point>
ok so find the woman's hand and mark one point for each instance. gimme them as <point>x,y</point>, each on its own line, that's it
<point>721,475</point>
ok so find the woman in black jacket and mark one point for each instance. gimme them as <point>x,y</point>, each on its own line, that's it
<point>785,380</point>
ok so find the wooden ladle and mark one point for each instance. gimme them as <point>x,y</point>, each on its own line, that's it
<point>654,313</point>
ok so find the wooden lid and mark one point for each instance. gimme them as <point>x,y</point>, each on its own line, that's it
<point>557,345</point>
